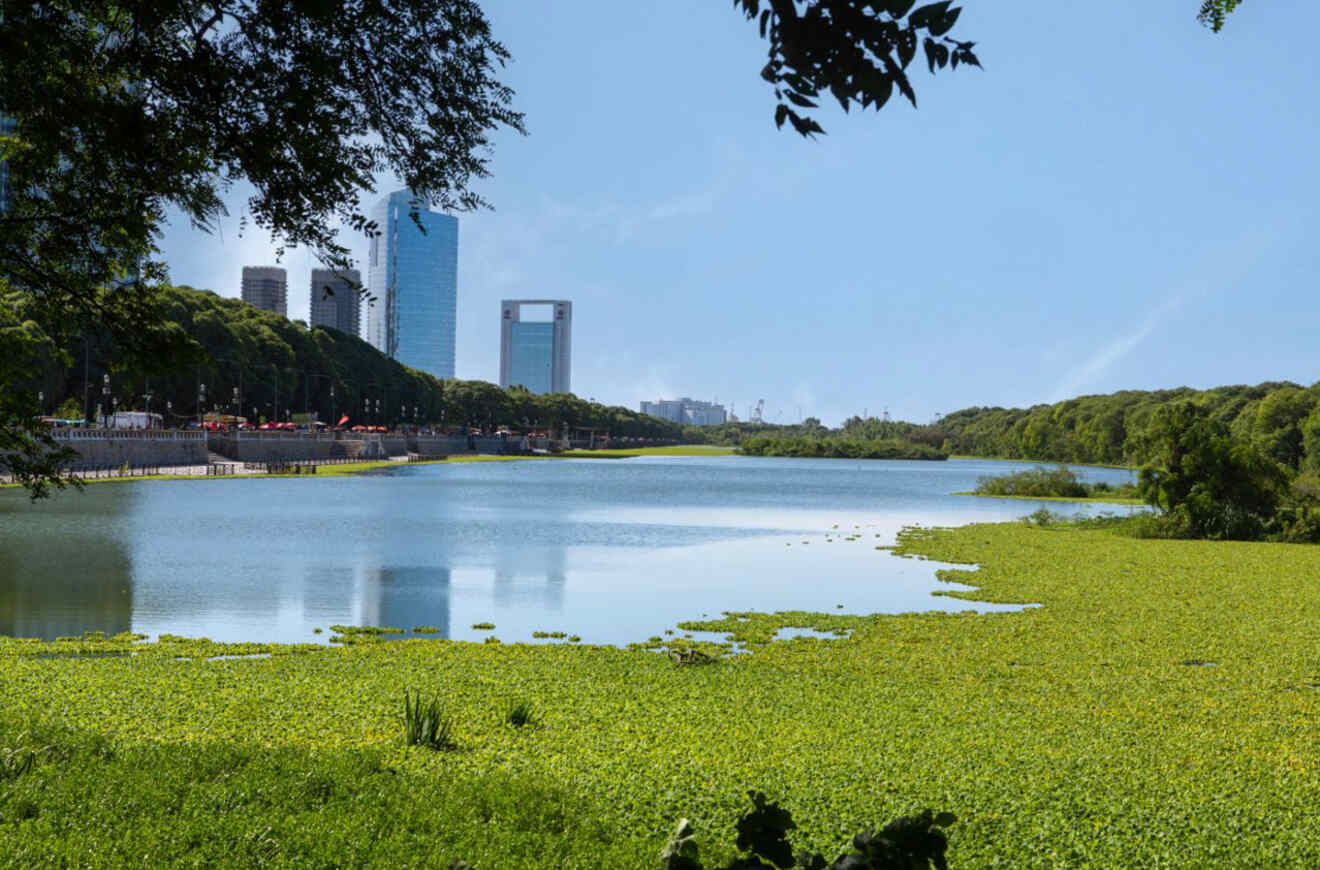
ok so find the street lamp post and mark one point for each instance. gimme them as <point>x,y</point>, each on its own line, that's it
<point>238,406</point>
<point>41,403</point>
<point>169,414</point>
<point>333,416</point>
<point>201,403</point>
<point>105,400</point>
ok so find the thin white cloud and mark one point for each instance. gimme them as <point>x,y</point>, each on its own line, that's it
<point>1223,269</point>
<point>1115,350</point>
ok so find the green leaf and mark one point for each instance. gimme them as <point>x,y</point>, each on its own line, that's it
<point>926,16</point>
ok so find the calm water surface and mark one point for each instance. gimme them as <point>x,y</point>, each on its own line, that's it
<point>612,550</point>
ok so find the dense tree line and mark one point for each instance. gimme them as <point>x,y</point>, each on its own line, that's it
<point>260,365</point>
<point>1232,462</point>
<point>837,448</point>
<point>1281,419</point>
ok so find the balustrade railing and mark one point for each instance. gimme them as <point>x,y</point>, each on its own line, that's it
<point>128,435</point>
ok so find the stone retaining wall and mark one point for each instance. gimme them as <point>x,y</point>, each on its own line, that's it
<point>119,447</point>
<point>245,449</point>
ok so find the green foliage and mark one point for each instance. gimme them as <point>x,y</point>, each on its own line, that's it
<point>858,53</point>
<point>1116,429</point>
<point>1038,481</point>
<point>483,626</point>
<point>1041,482</point>
<point>71,410</point>
<point>837,448</point>
<point>1208,483</point>
<point>28,453</point>
<point>425,723</point>
<point>1214,13</point>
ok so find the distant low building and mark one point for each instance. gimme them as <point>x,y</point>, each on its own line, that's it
<point>690,412</point>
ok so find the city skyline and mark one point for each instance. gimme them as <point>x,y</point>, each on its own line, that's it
<point>1046,227</point>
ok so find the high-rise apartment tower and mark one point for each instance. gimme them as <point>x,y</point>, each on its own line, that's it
<point>335,301</point>
<point>537,354</point>
<point>266,287</point>
<point>413,276</point>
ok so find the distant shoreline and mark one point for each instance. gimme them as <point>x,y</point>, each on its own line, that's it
<point>355,468</point>
<point>1044,462</point>
<point>1088,498</point>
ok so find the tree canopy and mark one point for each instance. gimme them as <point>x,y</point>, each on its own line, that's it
<point>123,111</point>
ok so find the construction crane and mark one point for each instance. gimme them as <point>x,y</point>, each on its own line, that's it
<point>757,411</point>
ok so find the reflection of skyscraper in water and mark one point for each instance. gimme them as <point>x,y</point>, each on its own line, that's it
<point>547,563</point>
<point>406,597</point>
<point>329,594</point>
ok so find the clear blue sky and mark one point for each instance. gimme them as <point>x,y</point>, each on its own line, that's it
<point>1121,199</point>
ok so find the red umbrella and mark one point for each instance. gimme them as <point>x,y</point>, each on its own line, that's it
<point>342,420</point>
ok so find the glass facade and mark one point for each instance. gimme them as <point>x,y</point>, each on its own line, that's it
<point>531,356</point>
<point>414,279</point>
<point>7,126</point>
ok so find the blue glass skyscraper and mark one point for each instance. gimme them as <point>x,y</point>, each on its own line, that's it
<point>7,125</point>
<point>414,279</point>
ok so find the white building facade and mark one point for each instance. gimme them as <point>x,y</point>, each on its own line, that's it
<point>690,412</point>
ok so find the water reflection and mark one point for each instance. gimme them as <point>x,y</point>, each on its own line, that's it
<point>64,566</point>
<point>43,595</point>
<point>612,551</point>
<point>407,597</point>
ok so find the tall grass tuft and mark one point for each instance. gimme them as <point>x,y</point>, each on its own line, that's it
<point>425,724</point>
<point>522,714</point>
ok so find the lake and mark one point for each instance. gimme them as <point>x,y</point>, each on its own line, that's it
<point>611,550</point>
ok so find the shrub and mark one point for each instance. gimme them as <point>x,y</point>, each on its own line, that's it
<point>1212,484</point>
<point>1044,482</point>
<point>907,843</point>
<point>425,724</point>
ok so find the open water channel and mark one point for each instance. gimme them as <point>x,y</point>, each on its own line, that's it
<point>611,550</point>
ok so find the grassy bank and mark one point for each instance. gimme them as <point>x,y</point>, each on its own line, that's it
<point>1159,710</point>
